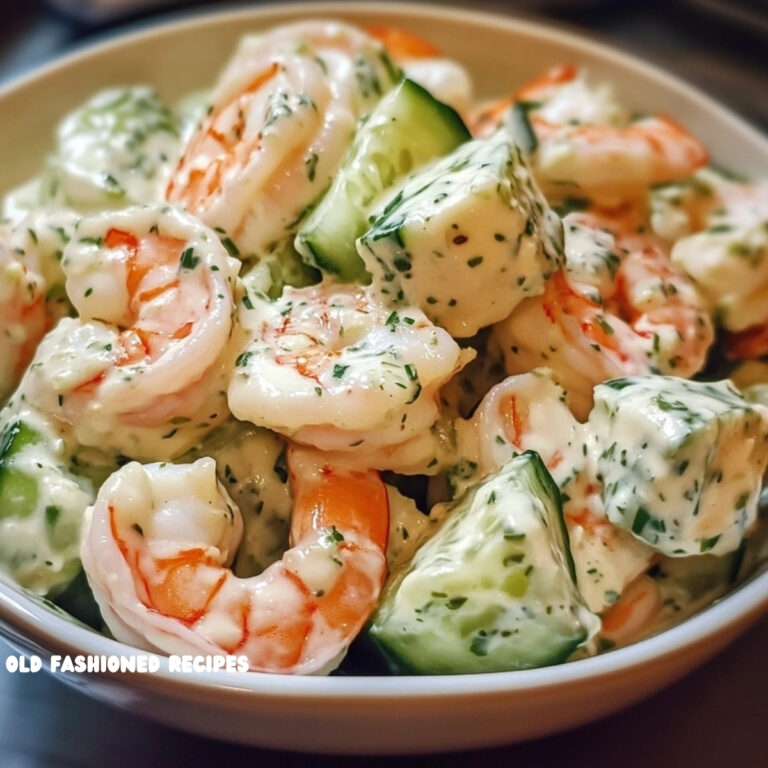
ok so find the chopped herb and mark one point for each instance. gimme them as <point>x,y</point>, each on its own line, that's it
<point>188,259</point>
<point>280,467</point>
<point>339,370</point>
<point>52,514</point>
<point>232,249</point>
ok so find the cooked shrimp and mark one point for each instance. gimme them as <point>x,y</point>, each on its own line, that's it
<point>560,95</point>
<point>530,412</point>
<point>603,161</point>
<point>726,256</point>
<point>584,142</point>
<point>283,114</point>
<point>22,317</point>
<point>38,238</point>
<point>642,316</point>
<point>422,62</point>
<point>629,617</point>
<point>331,367</point>
<point>144,360</point>
<point>160,538</point>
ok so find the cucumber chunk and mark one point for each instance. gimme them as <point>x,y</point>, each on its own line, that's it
<point>408,128</point>
<point>681,462</point>
<point>115,150</point>
<point>466,239</point>
<point>18,491</point>
<point>269,274</point>
<point>41,504</point>
<point>494,589</point>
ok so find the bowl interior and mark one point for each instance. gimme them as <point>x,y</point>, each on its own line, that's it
<point>500,53</point>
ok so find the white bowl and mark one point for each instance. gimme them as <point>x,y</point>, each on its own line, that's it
<point>374,714</point>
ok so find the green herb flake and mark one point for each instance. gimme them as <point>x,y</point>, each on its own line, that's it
<point>188,259</point>
<point>339,370</point>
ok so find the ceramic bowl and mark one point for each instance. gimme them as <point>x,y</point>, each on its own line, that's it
<point>374,714</point>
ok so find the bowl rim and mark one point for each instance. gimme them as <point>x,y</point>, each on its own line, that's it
<point>51,632</point>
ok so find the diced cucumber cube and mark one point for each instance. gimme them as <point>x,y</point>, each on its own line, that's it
<point>408,128</point>
<point>494,588</point>
<point>681,462</point>
<point>466,239</point>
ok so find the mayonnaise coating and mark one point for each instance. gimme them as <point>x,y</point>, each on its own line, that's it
<point>466,239</point>
<point>331,367</point>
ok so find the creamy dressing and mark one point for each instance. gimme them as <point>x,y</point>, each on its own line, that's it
<point>38,239</point>
<point>591,258</point>
<point>41,502</point>
<point>445,79</point>
<point>728,260</point>
<point>22,316</point>
<point>250,464</point>
<point>579,101</point>
<point>409,528</point>
<point>491,590</point>
<point>681,462</point>
<point>332,367</point>
<point>116,150</point>
<point>466,239</point>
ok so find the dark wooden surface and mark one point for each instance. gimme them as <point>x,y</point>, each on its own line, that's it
<point>714,718</point>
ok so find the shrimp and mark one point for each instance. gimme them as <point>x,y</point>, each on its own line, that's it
<point>329,366</point>
<point>636,314</point>
<point>145,360</point>
<point>159,540</point>
<point>530,412</point>
<point>38,238</point>
<point>585,142</point>
<point>629,617</point>
<point>283,114</point>
<point>23,319</point>
<point>422,62</point>
<point>725,254</point>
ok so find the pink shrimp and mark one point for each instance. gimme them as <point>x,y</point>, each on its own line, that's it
<point>159,542</point>
<point>153,289</point>
<point>402,45</point>
<point>643,315</point>
<point>586,144</point>
<point>530,412</point>
<point>23,319</point>
<point>283,114</point>
<point>631,615</point>
<point>726,256</point>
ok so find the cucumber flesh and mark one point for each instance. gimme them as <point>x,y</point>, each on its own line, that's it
<point>407,129</point>
<point>494,589</point>
<point>18,491</point>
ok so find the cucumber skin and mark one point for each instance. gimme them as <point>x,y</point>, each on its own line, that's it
<point>438,648</point>
<point>335,253</point>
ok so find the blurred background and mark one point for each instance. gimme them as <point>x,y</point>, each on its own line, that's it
<point>720,45</point>
<point>713,718</point>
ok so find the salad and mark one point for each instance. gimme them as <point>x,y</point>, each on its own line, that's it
<point>332,358</point>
